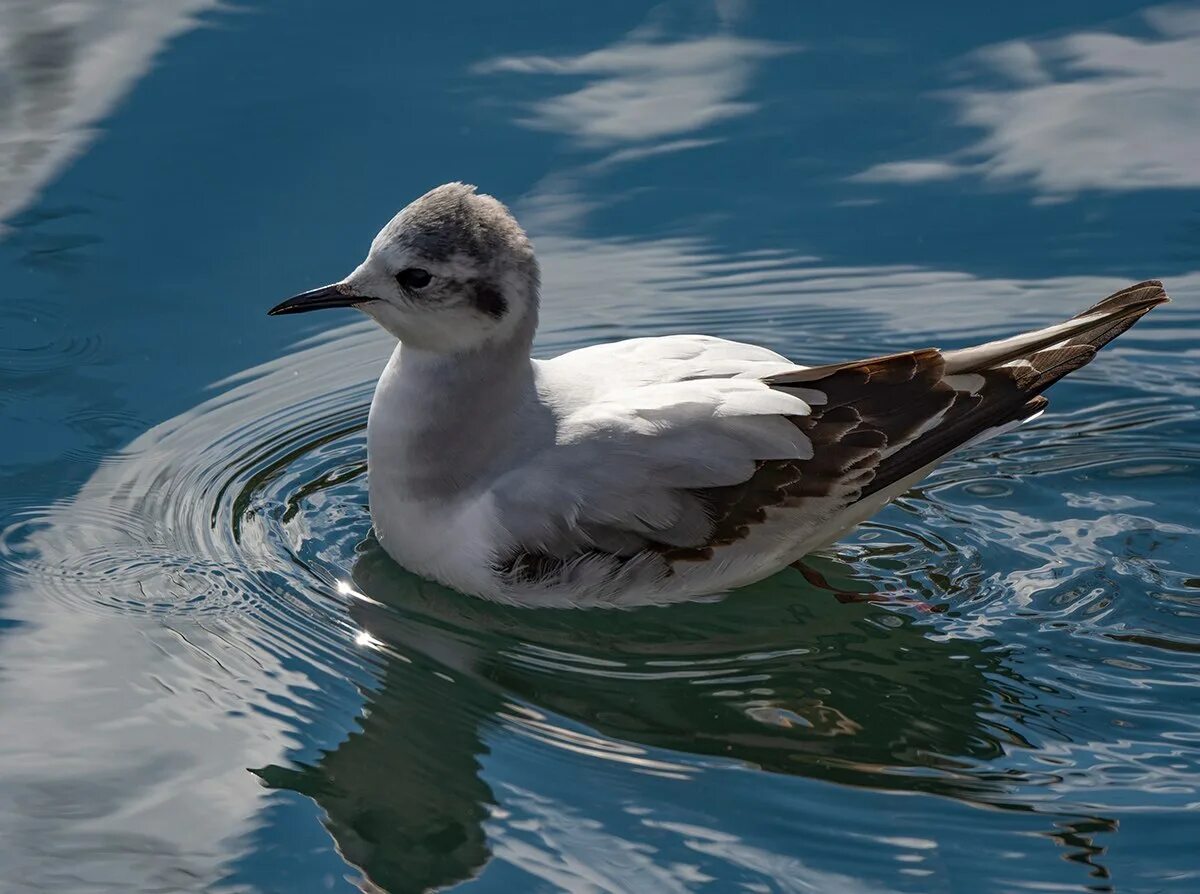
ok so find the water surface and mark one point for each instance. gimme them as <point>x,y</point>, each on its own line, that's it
<point>212,679</point>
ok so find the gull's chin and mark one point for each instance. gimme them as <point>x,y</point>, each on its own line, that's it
<point>391,319</point>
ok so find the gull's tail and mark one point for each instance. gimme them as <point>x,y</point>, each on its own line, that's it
<point>1042,357</point>
<point>1005,378</point>
<point>909,411</point>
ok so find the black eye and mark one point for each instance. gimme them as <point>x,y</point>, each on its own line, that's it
<point>413,278</point>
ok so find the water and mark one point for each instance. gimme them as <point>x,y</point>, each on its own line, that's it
<point>211,678</point>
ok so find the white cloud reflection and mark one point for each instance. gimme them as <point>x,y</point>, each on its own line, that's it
<point>63,66</point>
<point>642,89</point>
<point>643,96</point>
<point>1092,110</point>
<point>910,172</point>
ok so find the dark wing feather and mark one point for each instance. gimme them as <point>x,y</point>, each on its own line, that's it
<point>869,405</point>
<point>886,418</point>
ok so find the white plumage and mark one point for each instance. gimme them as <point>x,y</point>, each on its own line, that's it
<point>647,470</point>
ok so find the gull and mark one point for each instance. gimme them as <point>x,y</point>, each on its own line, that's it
<point>649,470</point>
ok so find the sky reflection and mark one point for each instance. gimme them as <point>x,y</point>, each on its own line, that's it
<point>1098,109</point>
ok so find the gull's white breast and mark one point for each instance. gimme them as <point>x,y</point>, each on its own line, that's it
<point>447,540</point>
<point>448,537</point>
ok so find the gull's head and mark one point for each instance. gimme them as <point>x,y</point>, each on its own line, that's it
<point>452,272</point>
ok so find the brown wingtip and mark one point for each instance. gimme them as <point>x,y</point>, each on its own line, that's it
<point>1140,296</point>
<point>1120,310</point>
<point>1034,405</point>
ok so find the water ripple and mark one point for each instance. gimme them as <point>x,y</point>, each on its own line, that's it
<point>27,351</point>
<point>1017,633</point>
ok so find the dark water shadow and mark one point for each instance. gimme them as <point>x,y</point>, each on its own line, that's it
<point>781,677</point>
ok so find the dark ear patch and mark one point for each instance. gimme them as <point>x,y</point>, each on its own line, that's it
<point>488,299</point>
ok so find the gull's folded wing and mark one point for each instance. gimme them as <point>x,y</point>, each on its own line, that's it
<point>670,471</point>
<point>885,419</point>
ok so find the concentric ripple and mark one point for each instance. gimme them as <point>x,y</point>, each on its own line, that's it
<point>197,514</point>
<point>1018,633</point>
<point>25,348</point>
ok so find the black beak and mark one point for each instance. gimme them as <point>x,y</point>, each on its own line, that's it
<point>336,295</point>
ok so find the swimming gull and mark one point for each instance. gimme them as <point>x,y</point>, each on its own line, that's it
<point>649,470</point>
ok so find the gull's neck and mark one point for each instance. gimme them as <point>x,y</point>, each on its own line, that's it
<point>441,425</point>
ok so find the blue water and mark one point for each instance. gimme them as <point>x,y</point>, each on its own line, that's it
<point>192,696</point>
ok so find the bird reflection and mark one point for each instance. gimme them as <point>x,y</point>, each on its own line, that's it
<point>780,676</point>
